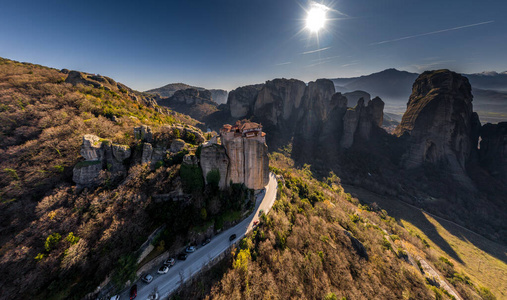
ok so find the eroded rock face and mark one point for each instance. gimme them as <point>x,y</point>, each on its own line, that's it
<point>493,149</point>
<point>350,123</point>
<point>177,145</point>
<point>143,133</point>
<point>99,155</point>
<point>147,153</point>
<point>86,173</point>
<point>278,100</point>
<point>192,96</point>
<point>316,109</point>
<point>91,149</point>
<point>236,153</point>
<point>214,157</point>
<point>439,122</point>
<point>241,100</point>
<point>256,164</point>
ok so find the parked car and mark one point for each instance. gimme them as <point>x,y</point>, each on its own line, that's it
<point>207,241</point>
<point>190,249</point>
<point>115,297</point>
<point>169,262</point>
<point>147,278</point>
<point>232,237</point>
<point>133,291</point>
<point>163,270</point>
<point>260,212</point>
<point>255,223</point>
<point>183,256</point>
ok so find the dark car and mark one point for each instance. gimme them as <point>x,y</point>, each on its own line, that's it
<point>183,256</point>
<point>232,237</point>
<point>206,242</point>
<point>133,291</point>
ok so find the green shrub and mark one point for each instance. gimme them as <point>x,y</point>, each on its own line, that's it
<point>486,293</point>
<point>12,173</point>
<point>213,178</point>
<point>51,241</point>
<point>125,269</point>
<point>72,239</point>
<point>59,168</point>
<point>445,261</point>
<point>40,256</point>
<point>192,178</point>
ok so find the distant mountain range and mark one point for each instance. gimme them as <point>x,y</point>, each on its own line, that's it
<point>394,87</point>
<point>219,96</point>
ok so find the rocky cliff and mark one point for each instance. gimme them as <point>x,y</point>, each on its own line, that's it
<point>108,84</point>
<point>493,149</point>
<point>214,157</point>
<point>278,101</point>
<point>99,154</point>
<point>242,156</point>
<point>241,101</point>
<point>439,122</point>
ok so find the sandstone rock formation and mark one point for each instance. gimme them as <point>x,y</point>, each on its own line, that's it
<point>493,149</point>
<point>191,96</point>
<point>108,84</point>
<point>278,100</point>
<point>439,122</point>
<point>241,101</point>
<point>99,154</point>
<point>177,145</point>
<point>143,133</point>
<point>242,157</point>
<point>214,157</point>
<point>354,96</point>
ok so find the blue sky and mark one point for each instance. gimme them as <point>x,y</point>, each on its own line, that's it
<point>229,43</point>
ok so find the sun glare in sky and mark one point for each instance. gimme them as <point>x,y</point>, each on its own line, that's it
<point>316,18</point>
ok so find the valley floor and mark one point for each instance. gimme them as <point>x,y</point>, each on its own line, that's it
<point>485,261</point>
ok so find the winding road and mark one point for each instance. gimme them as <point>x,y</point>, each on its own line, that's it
<point>184,270</point>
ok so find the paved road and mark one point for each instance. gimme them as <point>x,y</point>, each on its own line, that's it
<point>183,270</point>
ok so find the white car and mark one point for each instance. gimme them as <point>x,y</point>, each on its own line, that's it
<point>169,262</point>
<point>163,270</point>
<point>115,297</point>
<point>190,249</point>
<point>147,278</point>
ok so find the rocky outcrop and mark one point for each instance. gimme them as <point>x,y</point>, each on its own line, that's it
<point>97,81</point>
<point>316,109</point>
<point>438,123</point>
<point>147,153</point>
<point>182,132</point>
<point>177,145</point>
<point>350,122</point>
<point>278,101</point>
<point>219,96</point>
<point>241,158</point>
<point>493,149</point>
<point>354,96</point>
<point>236,153</point>
<point>143,133</point>
<point>241,101</point>
<point>256,168</point>
<point>214,157</point>
<point>192,96</point>
<point>99,154</point>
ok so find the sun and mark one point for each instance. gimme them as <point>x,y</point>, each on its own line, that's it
<point>316,18</point>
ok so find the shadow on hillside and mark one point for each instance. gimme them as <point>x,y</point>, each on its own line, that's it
<point>400,210</point>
